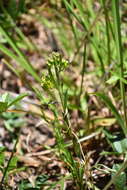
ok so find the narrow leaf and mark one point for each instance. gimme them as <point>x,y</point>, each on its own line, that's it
<point>108,102</point>
<point>21,96</point>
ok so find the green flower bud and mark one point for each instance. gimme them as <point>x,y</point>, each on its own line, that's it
<point>57,61</point>
<point>47,83</point>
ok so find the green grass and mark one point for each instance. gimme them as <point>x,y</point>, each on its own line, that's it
<point>89,35</point>
<point>118,38</point>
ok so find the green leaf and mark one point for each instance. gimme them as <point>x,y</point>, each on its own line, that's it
<point>2,155</point>
<point>20,57</point>
<point>40,180</point>
<point>2,159</point>
<point>120,145</point>
<point>3,106</point>
<point>112,79</point>
<point>109,135</point>
<point>17,99</point>
<point>108,102</point>
<point>21,6</point>
<point>105,153</point>
<point>13,163</point>
<point>103,121</point>
<point>120,182</point>
<point>15,8</point>
<point>115,78</point>
<point>12,8</point>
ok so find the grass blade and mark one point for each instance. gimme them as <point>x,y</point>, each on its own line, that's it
<point>108,102</point>
<point>21,96</point>
<point>22,60</point>
<point>118,40</point>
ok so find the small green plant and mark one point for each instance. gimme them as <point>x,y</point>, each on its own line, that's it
<point>63,129</point>
<point>12,120</point>
<point>10,168</point>
<point>117,141</point>
<point>5,103</point>
<point>39,183</point>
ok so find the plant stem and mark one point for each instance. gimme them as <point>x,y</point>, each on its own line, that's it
<point>83,69</point>
<point>107,31</point>
<point>6,169</point>
<point>60,91</point>
<point>116,14</point>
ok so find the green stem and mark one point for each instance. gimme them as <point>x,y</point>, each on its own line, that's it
<point>6,169</point>
<point>83,70</point>
<point>107,31</point>
<point>116,14</point>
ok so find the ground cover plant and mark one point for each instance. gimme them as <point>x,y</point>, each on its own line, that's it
<point>63,114</point>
